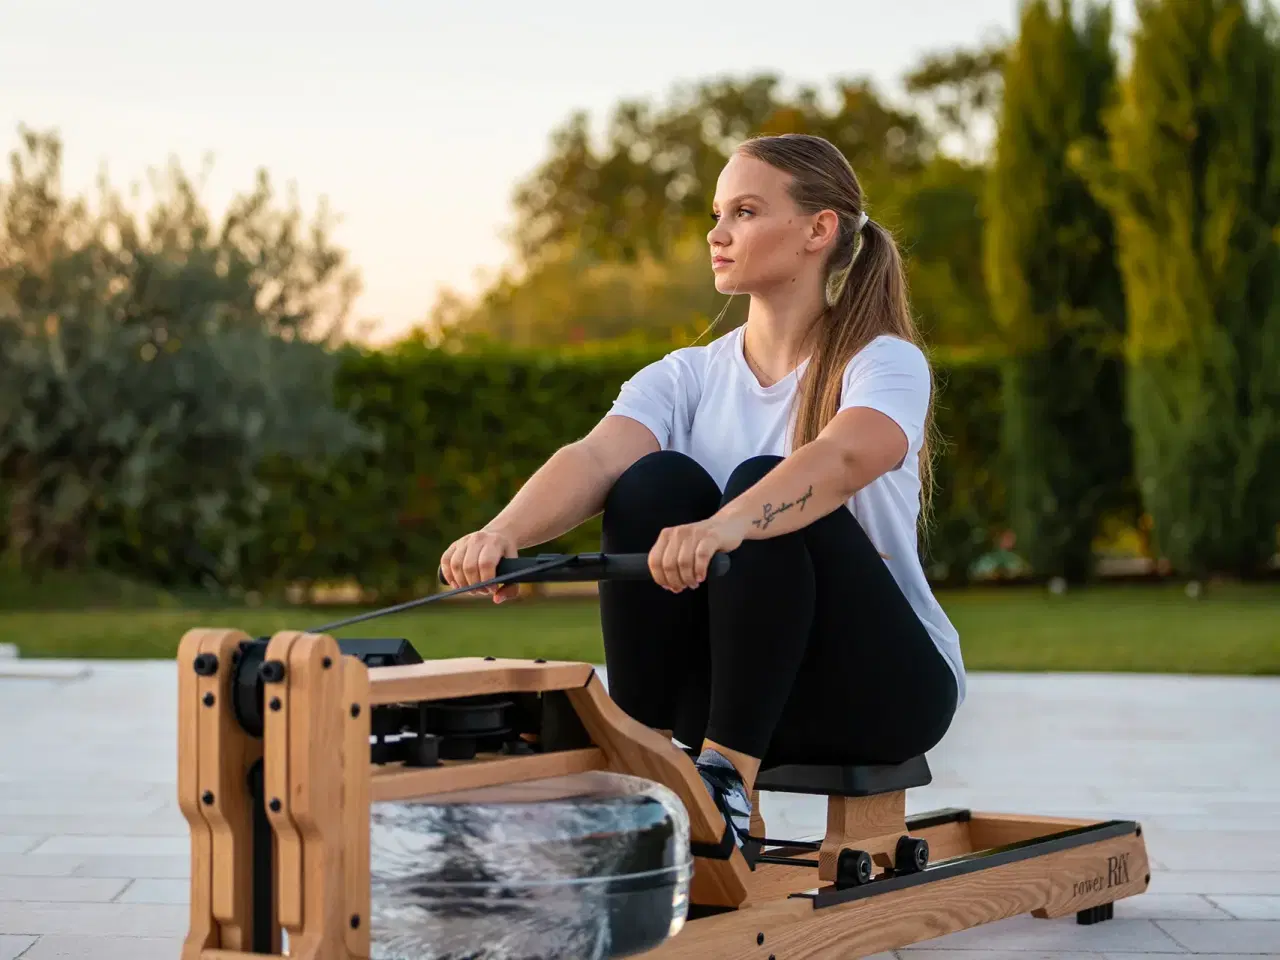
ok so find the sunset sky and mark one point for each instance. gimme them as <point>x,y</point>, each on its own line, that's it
<point>414,119</point>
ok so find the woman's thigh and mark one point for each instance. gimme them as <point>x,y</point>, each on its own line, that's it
<point>873,687</point>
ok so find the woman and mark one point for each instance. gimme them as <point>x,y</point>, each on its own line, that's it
<point>799,444</point>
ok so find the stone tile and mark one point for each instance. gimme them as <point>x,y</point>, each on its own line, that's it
<point>1214,882</point>
<point>94,919</point>
<point>1213,936</point>
<point>1224,850</point>
<point>1250,908</point>
<point>101,825</point>
<point>160,867</point>
<point>116,846</point>
<point>60,889</point>
<point>1169,906</point>
<point>157,891</point>
<point>104,948</point>
<point>12,947</point>
<point>18,843</point>
<point>23,865</point>
<point>1025,933</point>
<point>927,952</point>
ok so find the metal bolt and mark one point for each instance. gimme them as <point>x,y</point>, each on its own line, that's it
<point>759,939</point>
<point>207,798</point>
<point>491,658</point>
<point>274,804</point>
<point>275,703</point>
<point>355,921</point>
<point>209,699</point>
<point>326,663</point>
<point>355,710</point>
<point>540,660</point>
<point>206,665</point>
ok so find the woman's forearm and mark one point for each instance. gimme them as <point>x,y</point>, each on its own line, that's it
<point>810,483</point>
<point>567,490</point>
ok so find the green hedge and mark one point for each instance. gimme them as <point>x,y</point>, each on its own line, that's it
<point>460,432</point>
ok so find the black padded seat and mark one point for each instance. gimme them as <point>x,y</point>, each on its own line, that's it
<point>839,781</point>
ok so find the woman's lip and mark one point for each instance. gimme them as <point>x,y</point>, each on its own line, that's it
<point>716,261</point>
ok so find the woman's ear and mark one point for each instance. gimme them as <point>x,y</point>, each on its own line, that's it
<point>823,230</point>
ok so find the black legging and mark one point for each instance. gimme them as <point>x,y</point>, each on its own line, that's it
<point>806,651</point>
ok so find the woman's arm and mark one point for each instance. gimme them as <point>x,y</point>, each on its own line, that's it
<point>856,447</point>
<point>567,490</point>
<point>570,488</point>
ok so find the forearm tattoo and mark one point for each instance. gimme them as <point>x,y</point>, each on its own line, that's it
<point>770,512</point>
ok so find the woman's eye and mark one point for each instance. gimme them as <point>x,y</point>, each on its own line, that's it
<point>744,210</point>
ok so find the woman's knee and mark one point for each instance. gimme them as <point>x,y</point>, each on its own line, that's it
<point>662,488</point>
<point>747,474</point>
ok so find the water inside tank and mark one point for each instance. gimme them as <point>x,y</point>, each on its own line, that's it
<point>587,866</point>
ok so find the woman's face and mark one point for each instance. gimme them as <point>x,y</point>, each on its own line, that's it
<point>761,241</point>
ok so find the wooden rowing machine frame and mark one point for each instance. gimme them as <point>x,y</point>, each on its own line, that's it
<point>302,790</point>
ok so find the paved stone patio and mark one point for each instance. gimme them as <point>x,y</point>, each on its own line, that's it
<point>93,850</point>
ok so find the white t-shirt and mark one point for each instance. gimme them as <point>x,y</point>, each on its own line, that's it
<point>706,402</point>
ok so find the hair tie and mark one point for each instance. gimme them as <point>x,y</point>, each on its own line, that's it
<point>862,222</point>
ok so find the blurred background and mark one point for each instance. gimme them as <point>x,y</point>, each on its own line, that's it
<point>292,298</point>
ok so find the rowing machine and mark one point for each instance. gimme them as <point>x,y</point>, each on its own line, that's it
<point>286,744</point>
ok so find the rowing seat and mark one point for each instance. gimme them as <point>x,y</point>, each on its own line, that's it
<point>866,805</point>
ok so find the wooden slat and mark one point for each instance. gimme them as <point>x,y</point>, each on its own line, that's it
<point>792,928</point>
<point>472,676</point>
<point>276,780</point>
<point>201,929</point>
<point>873,824</point>
<point>315,780</point>
<point>987,830</point>
<point>404,783</point>
<point>635,749</point>
<point>226,755</point>
<point>355,803</point>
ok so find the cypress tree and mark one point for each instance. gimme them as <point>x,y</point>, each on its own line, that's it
<point>1193,181</point>
<point>1056,290</point>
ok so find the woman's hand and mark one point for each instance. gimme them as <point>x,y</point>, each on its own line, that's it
<point>475,557</point>
<point>680,557</point>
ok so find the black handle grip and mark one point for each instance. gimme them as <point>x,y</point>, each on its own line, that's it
<point>585,567</point>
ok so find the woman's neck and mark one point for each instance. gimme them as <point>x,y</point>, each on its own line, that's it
<point>780,333</point>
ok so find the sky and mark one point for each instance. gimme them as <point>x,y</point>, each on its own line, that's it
<point>414,119</point>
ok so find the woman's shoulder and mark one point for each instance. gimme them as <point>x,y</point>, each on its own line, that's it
<point>889,351</point>
<point>697,359</point>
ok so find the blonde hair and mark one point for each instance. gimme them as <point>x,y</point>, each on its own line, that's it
<point>865,284</point>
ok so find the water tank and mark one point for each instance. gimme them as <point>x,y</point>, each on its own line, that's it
<point>587,866</point>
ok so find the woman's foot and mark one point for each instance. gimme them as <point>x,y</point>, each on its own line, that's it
<point>728,791</point>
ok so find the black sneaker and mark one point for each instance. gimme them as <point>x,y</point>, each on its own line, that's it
<point>728,791</point>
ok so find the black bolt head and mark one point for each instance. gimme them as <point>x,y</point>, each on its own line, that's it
<point>209,699</point>
<point>355,710</point>
<point>207,799</point>
<point>206,665</point>
<point>272,671</point>
<point>327,662</point>
<point>275,703</point>
<point>355,921</point>
<point>274,804</point>
<point>759,939</point>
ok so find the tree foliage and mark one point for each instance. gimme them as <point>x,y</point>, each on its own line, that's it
<point>150,364</point>
<point>1192,177</point>
<point>1056,290</point>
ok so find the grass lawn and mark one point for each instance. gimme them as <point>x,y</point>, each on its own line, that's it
<point>1229,629</point>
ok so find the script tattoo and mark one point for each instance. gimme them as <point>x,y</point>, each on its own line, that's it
<point>770,512</point>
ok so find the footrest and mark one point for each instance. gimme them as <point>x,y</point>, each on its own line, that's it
<point>845,781</point>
